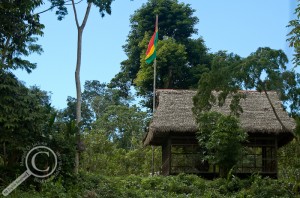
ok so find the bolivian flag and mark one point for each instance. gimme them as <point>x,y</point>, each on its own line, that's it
<point>151,50</point>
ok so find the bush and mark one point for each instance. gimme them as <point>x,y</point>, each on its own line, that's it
<point>93,186</point>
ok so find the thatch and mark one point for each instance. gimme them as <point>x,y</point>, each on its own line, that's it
<point>174,115</point>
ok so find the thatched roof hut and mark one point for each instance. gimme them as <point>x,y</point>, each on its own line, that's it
<point>174,116</point>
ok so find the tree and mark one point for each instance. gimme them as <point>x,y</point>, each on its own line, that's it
<point>266,70</point>
<point>104,7</point>
<point>123,125</point>
<point>176,26</point>
<point>121,122</point>
<point>175,21</point>
<point>18,33</point>
<point>221,139</point>
<point>25,114</point>
<point>171,69</point>
<point>294,35</point>
<point>69,113</point>
<point>262,70</point>
<point>104,157</point>
<point>106,109</point>
<point>98,96</point>
<point>224,78</point>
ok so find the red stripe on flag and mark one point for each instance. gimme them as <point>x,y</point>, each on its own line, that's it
<point>151,43</point>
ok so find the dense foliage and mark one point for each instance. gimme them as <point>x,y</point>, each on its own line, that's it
<point>27,118</point>
<point>114,162</point>
<point>23,114</point>
<point>180,58</point>
<point>220,137</point>
<point>92,186</point>
<point>19,31</point>
<point>263,70</point>
<point>294,35</point>
<point>109,159</point>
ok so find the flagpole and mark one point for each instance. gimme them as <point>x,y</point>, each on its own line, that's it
<point>154,65</point>
<point>154,85</point>
<point>154,93</point>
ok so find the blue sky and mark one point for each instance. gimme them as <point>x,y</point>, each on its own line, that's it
<point>238,26</point>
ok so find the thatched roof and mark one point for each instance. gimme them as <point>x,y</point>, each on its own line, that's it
<point>174,115</point>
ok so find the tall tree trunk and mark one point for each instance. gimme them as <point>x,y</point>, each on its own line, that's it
<point>4,154</point>
<point>78,103</point>
<point>80,29</point>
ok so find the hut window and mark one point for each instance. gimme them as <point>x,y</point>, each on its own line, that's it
<point>259,156</point>
<point>187,159</point>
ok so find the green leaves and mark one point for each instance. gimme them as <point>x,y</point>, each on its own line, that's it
<point>171,67</point>
<point>122,124</point>
<point>223,77</point>
<point>263,66</point>
<point>18,31</point>
<point>19,104</point>
<point>104,6</point>
<point>221,139</point>
<point>180,59</point>
<point>105,157</point>
<point>294,35</point>
<point>263,70</point>
<point>106,109</point>
<point>24,116</point>
<point>62,10</point>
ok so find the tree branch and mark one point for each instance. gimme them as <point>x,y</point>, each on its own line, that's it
<point>45,10</point>
<point>75,14</point>
<point>56,6</point>
<point>263,86</point>
<point>274,110</point>
<point>87,12</point>
<point>71,3</point>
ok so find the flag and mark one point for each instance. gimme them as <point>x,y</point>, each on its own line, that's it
<point>152,46</point>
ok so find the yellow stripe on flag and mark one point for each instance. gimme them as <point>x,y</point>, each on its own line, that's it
<point>150,52</point>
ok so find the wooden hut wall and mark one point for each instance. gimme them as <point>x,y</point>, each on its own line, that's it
<point>166,157</point>
<point>261,156</point>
